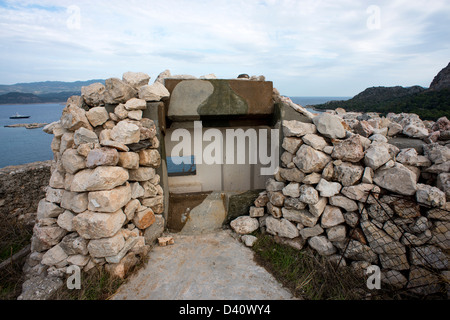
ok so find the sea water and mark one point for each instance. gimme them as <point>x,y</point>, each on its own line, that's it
<point>20,145</point>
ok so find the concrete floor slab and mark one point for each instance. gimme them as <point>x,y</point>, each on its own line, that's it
<point>213,266</point>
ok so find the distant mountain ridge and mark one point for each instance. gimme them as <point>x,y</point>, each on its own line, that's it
<point>42,92</point>
<point>47,86</point>
<point>429,103</point>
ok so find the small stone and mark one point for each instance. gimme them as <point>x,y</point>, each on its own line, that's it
<point>256,212</point>
<point>141,174</point>
<point>429,195</point>
<point>312,178</point>
<point>74,201</point>
<point>272,185</point>
<point>311,232</point>
<point>348,173</point>
<point>292,190</point>
<point>154,92</point>
<point>144,218</point>
<point>149,158</point>
<point>360,192</point>
<point>336,233</point>
<point>317,208</point>
<point>376,156</point>
<point>244,225</point>
<point>97,116</point>
<point>72,162</point>
<point>344,203</point>
<point>332,216</point>
<point>84,135</point>
<point>165,241</point>
<point>249,240</point>
<point>291,144</point>
<point>106,247</point>
<point>54,256</point>
<point>126,133</point>
<point>308,195</point>
<point>322,245</point>
<point>135,115</point>
<point>102,157</point>
<point>65,220</point>
<point>315,141</point>
<point>328,189</point>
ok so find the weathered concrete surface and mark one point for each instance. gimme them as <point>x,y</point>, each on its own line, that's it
<point>191,99</point>
<point>212,266</point>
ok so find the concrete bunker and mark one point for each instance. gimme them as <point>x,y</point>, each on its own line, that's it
<point>225,132</point>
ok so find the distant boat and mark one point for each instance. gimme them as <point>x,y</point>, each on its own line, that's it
<point>18,116</point>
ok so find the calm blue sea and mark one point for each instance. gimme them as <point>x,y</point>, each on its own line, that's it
<point>311,101</point>
<point>20,145</point>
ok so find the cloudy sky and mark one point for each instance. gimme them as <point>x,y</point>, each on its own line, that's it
<point>306,47</point>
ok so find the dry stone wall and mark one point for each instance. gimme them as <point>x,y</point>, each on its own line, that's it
<point>21,188</point>
<point>345,191</point>
<point>104,202</point>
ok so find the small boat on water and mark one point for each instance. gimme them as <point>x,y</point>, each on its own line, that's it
<point>18,116</point>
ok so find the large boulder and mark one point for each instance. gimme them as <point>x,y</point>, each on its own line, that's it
<point>309,160</point>
<point>282,228</point>
<point>109,200</point>
<point>93,94</point>
<point>294,128</point>
<point>97,225</point>
<point>117,91</point>
<point>351,149</point>
<point>135,79</point>
<point>100,178</point>
<point>154,92</point>
<point>398,179</point>
<point>126,133</point>
<point>329,125</point>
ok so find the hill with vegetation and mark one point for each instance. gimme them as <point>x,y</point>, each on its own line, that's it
<point>42,92</point>
<point>47,86</point>
<point>27,98</point>
<point>428,104</point>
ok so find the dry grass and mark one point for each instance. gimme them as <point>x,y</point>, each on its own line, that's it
<point>13,237</point>
<point>97,284</point>
<point>307,274</point>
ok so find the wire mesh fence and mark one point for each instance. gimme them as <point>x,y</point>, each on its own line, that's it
<point>408,241</point>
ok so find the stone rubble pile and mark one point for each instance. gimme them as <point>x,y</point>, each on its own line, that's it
<point>327,168</point>
<point>104,203</point>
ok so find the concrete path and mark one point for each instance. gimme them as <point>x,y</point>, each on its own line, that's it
<point>212,266</point>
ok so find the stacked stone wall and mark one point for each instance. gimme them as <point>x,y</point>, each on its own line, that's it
<point>347,191</point>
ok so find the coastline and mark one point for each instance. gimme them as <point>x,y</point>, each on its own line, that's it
<point>20,104</point>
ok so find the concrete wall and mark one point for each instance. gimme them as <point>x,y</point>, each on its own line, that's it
<point>217,177</point>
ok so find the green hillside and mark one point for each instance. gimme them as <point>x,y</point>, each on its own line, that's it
<point>429,105</point>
